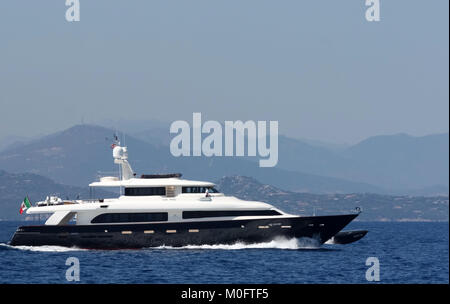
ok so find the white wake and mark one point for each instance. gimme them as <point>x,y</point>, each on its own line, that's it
<point>280,243</point>
<point>45,248</point>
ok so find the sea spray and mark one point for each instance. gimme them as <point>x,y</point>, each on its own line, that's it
<point>278,243</point>
<point>45,248</point>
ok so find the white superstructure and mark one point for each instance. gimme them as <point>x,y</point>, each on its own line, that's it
<point>152,194</point>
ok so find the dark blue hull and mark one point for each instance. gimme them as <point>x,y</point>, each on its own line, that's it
<point>321,228</point>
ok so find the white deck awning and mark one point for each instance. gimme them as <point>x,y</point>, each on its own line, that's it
<point>152,182</point>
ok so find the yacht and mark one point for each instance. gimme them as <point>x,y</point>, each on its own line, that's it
<point>166,210</point>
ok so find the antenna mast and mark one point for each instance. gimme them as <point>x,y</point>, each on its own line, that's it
<point>120,155</point>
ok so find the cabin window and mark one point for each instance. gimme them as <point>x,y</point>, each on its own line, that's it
<point>199,190</point>
<point>145,191</point>
<point>130,217</point>
<point>222,213</point>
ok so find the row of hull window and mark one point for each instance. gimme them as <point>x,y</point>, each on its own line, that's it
<point>130,217</point>
<point>163,216</point>
<point>224,213</point>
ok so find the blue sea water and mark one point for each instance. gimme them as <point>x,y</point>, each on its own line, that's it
<point>407,252</point>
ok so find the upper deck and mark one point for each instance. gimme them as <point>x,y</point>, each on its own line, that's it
<point>151,182</point>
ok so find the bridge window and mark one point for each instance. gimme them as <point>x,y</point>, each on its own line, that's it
<point>145,191</point>
<point>199,190</point>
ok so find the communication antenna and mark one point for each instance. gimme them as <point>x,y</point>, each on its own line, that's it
<point>120,155</point>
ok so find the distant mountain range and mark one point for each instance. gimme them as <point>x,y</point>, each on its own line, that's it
<point>74,156</point>
<point>12,141</point>
<point>375,207</point>
<point>395,164</point>
<point>402,161</point>
<point>14,187</point>
<point>399,164</point>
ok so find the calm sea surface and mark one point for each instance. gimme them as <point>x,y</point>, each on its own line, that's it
<point>407,252</point>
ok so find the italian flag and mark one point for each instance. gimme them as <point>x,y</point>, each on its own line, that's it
<point>25,205</point>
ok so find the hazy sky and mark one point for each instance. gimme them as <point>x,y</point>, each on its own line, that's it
<point>318,67</point>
